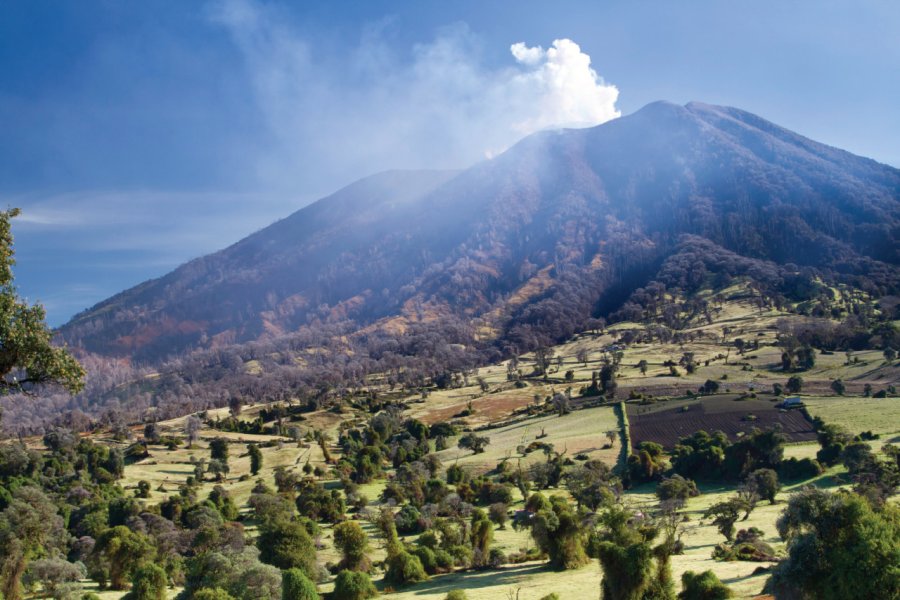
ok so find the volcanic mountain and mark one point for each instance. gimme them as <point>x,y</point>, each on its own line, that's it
<point>528,245</point>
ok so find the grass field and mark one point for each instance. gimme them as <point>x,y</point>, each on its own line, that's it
<point>878,415</point>
<point>579,432</point>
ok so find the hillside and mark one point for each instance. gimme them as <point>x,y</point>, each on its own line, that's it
<point>528,245</point>
<point>513,404</point>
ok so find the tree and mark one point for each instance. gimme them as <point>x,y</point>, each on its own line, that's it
<point>287,545</point>
<point>256,458</point>
<point>632,568</point>
<point>353,585</point>
<point>557,531</point>
<point>592,484</point>
<point>295,585</point>
<point>561,403</point>
<point>149,583</point>
<point>122,551</point>
<point>30,526</point>
<point>703,586</point>
<point>401,566</point>
<point>725,515</point>
<point>838,547</point>
<point>475,443</point>
<point>611,436</point>
<point>711,386</point>
<point>54,574</point>
<point>353,543</point>
<point>765,483</point>
<point>838,387</point>
<point>218,449</point>
<point>482,536</point>
<point>675,491</point>
<point>642,365</point>
<point>499,513</point>
<point>794,385</point>
<point>192,427</point>
<point>28,358</point>
<point>219,469</point>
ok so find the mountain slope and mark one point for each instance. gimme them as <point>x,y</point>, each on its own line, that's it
<point>524,246</point>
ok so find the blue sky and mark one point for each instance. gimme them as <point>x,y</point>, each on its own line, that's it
<point>138,135</point>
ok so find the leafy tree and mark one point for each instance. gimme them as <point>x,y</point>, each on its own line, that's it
<point>295,585</point>
<point>122,551</point>
<point>839,547</point>
<point>794,384</point>
<point>725,515</point>
<point>28,358</point>
<point>319,504</point>
<point>838,387</point>
<point>482,536</point>
<point>287,545</point>
<point>703,586</point>
<point>353,543</point>
<point>765,484</point>
<point>218,449</point>
<point>676,490</point>
<point>710,387</point>
<point>353,585</point>
<point>474,442</point>
<point>558,532</point>
<point>256,458</point>
<point>143,489</point>
<point>499,513</point>
<point>148,583</point>
<point>456,595</point>
<point>402,567</point>
<point>632,568</point>
<point>592,484</point>
<point>53,574</point>
<point>219,469</point>
<point>647,464</point>
<point>30,527</point>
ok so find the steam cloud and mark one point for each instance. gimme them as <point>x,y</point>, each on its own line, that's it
<point>336,115</point>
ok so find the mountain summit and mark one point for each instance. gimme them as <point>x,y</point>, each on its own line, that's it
<point>531,243</point>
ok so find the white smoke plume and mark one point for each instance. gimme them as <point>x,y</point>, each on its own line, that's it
<point>337,114</point>
<point>566,90</point>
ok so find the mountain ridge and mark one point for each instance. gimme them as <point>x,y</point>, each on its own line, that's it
<point>594,204</point>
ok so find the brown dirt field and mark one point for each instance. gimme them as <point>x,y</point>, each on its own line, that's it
<point>665,423</point>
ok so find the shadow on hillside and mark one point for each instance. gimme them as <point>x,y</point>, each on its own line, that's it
<point>469,580</point>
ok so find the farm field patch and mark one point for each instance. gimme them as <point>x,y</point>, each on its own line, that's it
<point>666,422</point>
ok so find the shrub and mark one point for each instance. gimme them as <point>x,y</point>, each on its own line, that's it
<point>353,543</point>
<point>703,586</point>
<point>212,594</point>
<point>286,545</point>
<point>149,583</point>
<point>353,585</point>
<point>404,568</point>
<point>295,585</point>
<point>456,595</point>
<point>428,559</point>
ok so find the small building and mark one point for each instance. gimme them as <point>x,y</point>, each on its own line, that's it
<point>793,402</point>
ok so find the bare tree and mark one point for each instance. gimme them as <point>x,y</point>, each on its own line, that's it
<point>192,430</point>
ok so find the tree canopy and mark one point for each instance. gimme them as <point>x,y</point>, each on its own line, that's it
<point>27,356</point>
